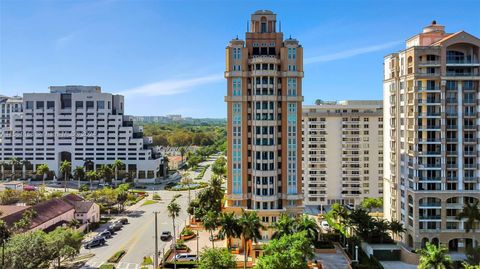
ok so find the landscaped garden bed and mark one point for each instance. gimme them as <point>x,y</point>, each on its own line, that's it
<point>117,256</point>
<point>187,234</point>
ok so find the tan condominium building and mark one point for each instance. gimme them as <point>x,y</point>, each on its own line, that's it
<point>264,98</point>
<point>342,152</point>
<point>431,114</point>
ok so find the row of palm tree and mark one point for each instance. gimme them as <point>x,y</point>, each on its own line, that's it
<point>13,163</point>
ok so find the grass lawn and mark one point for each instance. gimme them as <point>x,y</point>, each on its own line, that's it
<point>149,202</point>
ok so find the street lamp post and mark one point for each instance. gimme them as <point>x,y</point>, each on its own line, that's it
<point>198,255</point>
<point>356,253</point>
<point>155,263</point>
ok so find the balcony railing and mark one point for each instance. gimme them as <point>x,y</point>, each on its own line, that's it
<point>429,217</point>
<point>430,204</point>
<point>462,61</point>
<point>429,178</point>
<point>464,74</point>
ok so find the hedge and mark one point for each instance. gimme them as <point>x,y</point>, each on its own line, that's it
<point>117,256</point>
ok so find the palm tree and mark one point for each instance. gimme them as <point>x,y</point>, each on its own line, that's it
<point>105,172</point>
<point>210,222</point>
<point>24,164</point>
<point>471,212</point>
<point>306,224</point>
<point>251,226</point>
<point>182,152</point>
<point>79,174</point>
<point>187,181</point>
<point>230,227</point>
<point>91,176</point>
<point>434,257</point>
<point>397,228</point>
<point>173,209</point>
<point>13,162</point>
<point>117,165</point>
<point>284,226</point>
<point>88,164</point>
<point>2,169</point>
<point>43,171</point>
<point>216,191</point>
<point>65,169</point>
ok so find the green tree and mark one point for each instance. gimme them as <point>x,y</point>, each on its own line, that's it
<point>288,252</point>
<point>79,174</point>
<point>117,165</point>
<point>27,250</point>
<point>9,197</point>
<point>105,172</point>
<point>43,171</point>
<point>371,203</point>
<point>13,163</point>
<point>65,169</point>
<point>434,257</point>
<point>2,170</point>
<point>471,212</point>
<point>219,167</point>
<point>304,223</point>
<point>63,243</point>
<point>25,222</point>
<point>182,152</point>
<point>473,255</point>
<point>91,176</point>
<point>251,226</point>
<point>219,258</point>
<point>210,221</point>
<point>173,209</point>
<point>230,227</point>
<point>397,228</point>
<point>4,236</point>
<point>284,226</point>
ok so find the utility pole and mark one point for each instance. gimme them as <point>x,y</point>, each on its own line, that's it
<point>198,255</point>
<point>155,262</point>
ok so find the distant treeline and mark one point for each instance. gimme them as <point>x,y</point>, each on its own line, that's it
<point>183,134</point>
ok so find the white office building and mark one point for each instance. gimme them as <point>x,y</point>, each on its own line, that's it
<point>75,123</point>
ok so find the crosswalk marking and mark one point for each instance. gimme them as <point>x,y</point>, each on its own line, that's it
<point>121,265</point>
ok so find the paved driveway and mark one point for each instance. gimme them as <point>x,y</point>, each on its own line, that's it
<point>332,260</point>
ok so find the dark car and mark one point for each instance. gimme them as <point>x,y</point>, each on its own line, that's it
<point>165,236</point>
<point>123,221</point>
<point>105,234</point>
<point>95,242</point>
<point>111,230</point>
<point>116,226</point>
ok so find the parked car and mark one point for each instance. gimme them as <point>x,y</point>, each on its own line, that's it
<point>95,242</point>
<point>123,221</point>
<point>116,226</point>
<point>165,236</point>
<point>111,230</point>
<point>105,234</point>
<point>325,226</point>
<point>185,257</point>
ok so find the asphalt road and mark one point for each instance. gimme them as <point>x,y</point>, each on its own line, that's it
<point>137,237</point>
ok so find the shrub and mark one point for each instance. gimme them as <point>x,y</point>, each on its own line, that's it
<point>107,266</point>
<point>156,197</point>
<point>187,231</point>
<point>117,256</point>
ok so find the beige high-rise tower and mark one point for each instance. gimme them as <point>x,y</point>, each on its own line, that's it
<point>431,151</point>
<point>264,98</point>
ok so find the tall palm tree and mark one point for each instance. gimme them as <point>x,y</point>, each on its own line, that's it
<point>216,191</point>
<point>230,227</point>
<point>65,169</point>
<point>91,176</point>
<point>434,257</point>
<point>79,174</point>
<point>88,164</point>
<point>251,226</point>
<point>397,229</point>
<point>210,222</point>
<point>173,209</point>
<point>2,169</point>
<point>43,171</point>
<point>24,164</point>
<point>306,224</point>
<point>284,226</point>
<point>187,180</point>
<point>182,152</point>
<point>117,165</point>
<point>105,172</point>
<point>13,162</point>
<point>471,212</point>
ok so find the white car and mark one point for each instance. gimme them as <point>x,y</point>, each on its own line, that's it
<point>325,226</point>
<point>185,257</point>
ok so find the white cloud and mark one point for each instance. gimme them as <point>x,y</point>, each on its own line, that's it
<point>172,86</point>
<point>350,53</point>
<point>64,40</point>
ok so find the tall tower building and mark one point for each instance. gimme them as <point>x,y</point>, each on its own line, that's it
<point>342,152</point>
<point>431,120</point>
<point>264,98</point>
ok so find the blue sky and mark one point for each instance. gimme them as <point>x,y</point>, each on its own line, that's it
<point>168,56</point>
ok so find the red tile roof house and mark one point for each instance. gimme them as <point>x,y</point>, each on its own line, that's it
<point>55,212</point>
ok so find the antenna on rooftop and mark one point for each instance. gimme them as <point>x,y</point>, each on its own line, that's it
<point>247,25</point>
<point>280,26</point>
